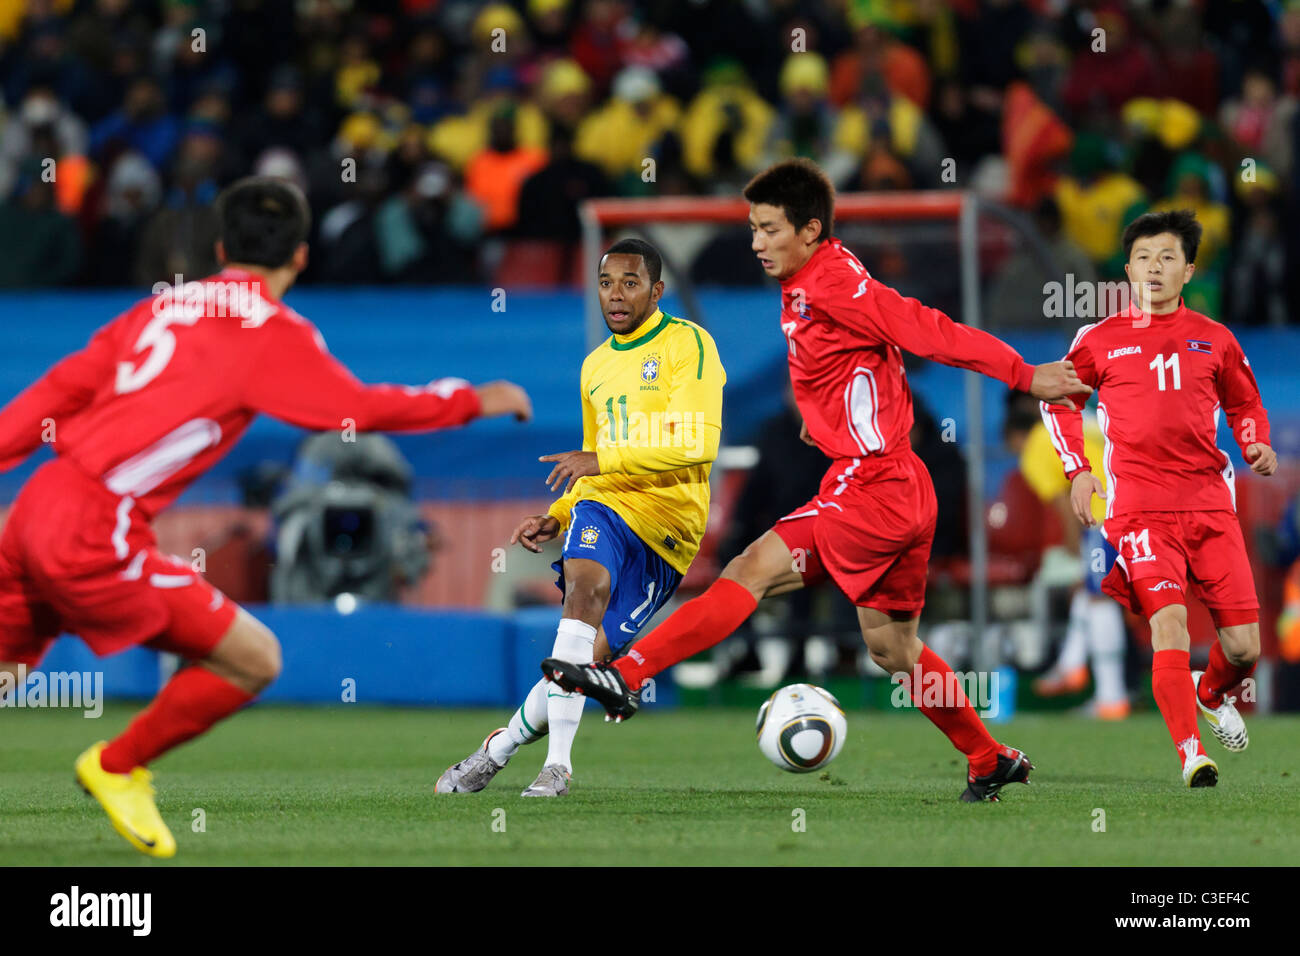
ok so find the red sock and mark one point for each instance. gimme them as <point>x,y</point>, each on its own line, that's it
<point>1221,675</point>
<point>193,700</point>
<point>960,723</point>
<point>698,624</point>
<point>1171,685</point>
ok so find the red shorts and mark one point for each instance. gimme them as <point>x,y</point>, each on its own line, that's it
<point>1163,553</point>
<point>75,557</point>
<point>870,534</point>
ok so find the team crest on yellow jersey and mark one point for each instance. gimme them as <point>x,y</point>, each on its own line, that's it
<point>650,369</point>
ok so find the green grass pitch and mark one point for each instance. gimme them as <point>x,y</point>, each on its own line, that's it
<point>353,785</point>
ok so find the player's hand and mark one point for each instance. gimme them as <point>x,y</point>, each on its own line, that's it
<point>1084,486</point>
<point>804,436</point>
<point>534,531</point>
<point>504,398</point>
<point>1262,458</point>
<point>1053,381</point>
<point>569,467</point>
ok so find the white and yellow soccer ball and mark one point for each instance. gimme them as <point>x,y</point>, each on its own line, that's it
<point>801,727</point>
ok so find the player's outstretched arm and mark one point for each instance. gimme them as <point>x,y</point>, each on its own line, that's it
<point>299,382</point>
<point>504,398</point>
<point>881,313</point>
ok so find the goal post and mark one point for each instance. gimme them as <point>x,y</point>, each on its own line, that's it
<point>959,209</point>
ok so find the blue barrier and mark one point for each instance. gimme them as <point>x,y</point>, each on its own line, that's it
<point>390,654</point>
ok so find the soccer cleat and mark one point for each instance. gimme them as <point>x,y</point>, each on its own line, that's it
<point>553,781</point>
<point>473,773</point>
<point>1200,771</point>
<point>1054,684</point>
<point>127,798</point>
<point>600,682</point>
<point>1225,720</point>
<point>1013,767</point>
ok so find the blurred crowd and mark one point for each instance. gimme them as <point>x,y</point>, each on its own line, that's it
<point>428,134</point>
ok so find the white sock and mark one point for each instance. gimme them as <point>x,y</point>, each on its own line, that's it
<point>1074,652</point>
<point>574,641</point>
<point>1106,647</point>
<point>526,726</point>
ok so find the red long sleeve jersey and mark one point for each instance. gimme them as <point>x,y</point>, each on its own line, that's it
<point>1161,382</point>
<point>846,334</point>
<point>162,392</point>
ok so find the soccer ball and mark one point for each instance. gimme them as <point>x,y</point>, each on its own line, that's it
<point>801,728</point>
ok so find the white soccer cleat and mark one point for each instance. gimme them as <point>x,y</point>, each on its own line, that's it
<point>1226,722</point>
<point>473,773</point>
<point>553,781</point>
<point>1199,770</point>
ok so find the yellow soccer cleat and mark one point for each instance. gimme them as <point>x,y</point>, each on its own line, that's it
<point>127,798</point>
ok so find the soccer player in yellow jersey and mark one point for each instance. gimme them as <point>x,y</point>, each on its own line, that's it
<point>1095,632</point>
<point>634,505</point>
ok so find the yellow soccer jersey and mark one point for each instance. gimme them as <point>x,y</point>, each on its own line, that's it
<point>1041,465</point>
<point>652,413</point>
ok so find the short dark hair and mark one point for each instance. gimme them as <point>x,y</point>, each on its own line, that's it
<point>1181,222</point>
<point>654,263</point>
<point>263,220</point>
<point>802,191</point>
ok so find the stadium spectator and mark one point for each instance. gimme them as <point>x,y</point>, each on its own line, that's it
<point>1257,282</point>
<point>989,41</point>
<point>39,245</point>
<point>969,135</point>
<point>724,128</point>
<point>1109,69</point>
<point>142,124</point>
<point>600,40</point>
<point>1096,200</point>
<point>623,133</point>
<point>1259,121</point>
<point>564,94</point>
<point>180,238</point>
<point>550,22</point>
<point>458,138</point>
<point>805,122</point>
<point>549,198</point>
<point>426,233</point>
<point>495,175</point>
<point>1193,181</point>
<point>875,52</point>
<point>132,193</point>
<point>41,112</point>
<point>281,119</point>
<point>664,52</point>
<point>1187,64</point>
<point>894,144</point>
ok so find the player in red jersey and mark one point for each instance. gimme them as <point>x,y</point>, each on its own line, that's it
<point>1163,373</point>
<point>870,526</point>
<point>155,399</point>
